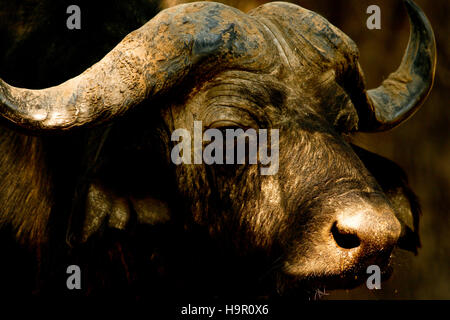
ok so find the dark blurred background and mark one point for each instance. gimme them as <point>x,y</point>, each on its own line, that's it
<point>421,146</point>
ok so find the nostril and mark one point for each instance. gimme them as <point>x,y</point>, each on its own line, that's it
<point>344,239</point>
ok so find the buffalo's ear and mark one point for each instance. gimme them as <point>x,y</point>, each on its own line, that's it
<point>394,182</point>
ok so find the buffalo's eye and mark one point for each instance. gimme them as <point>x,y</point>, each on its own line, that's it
<point>226,124</point>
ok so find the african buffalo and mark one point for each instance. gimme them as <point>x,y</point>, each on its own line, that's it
<point>86,175</point>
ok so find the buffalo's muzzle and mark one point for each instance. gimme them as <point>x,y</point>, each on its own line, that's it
<point>366,236</point>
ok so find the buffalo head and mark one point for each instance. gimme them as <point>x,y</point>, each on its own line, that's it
<point>331,209</point>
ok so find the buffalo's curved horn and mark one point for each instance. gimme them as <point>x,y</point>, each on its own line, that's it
<point>147,62</point>
<point>404,91</point>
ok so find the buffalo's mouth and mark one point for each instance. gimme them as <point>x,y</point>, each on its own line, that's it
<point>355,250</point>
<point>316,286</point>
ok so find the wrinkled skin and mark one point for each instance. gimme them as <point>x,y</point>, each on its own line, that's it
<point>262,234</point>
